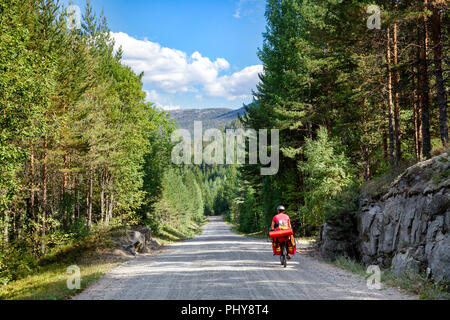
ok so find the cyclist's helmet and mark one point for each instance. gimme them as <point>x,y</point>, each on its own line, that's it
<point>281,209</point>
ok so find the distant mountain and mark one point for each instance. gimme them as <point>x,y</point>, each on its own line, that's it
<point>211,118</point>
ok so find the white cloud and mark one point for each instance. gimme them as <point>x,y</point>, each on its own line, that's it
<point>169,108</point>
<point>237,14</point>
<point>246,8</point>
<point>238,85</point>
<point>152,96</point>
<point>155,98</point>
<point>169,70</point>
<point>172,71</point>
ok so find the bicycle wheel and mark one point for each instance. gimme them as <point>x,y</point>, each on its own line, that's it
<point>282,257</point>
<point>285,253</point>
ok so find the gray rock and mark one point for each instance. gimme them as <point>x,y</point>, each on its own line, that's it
<point>405,227</point>
<point>434,227</point>
<point>333,243</point>
<point>439,204</point>
<point>155,245</point>
<point>139,240</point>
<point>429,247</point>
<point>405,262</point>
<point>440,260</point>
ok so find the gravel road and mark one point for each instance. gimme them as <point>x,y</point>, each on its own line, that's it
<point>221,265</point>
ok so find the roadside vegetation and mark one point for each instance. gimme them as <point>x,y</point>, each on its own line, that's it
<point>83,154</point>
<point>413,283</point>
<point>94,254</point>
<point>46,278</point>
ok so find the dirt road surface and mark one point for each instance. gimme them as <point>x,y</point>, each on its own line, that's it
<point>220,265</point>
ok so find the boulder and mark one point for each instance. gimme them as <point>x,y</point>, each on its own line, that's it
<point>155,245</point>
<point>139,240</point>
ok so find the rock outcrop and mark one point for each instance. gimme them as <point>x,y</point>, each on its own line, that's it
<point>140,241</point>
<point>406,228</point>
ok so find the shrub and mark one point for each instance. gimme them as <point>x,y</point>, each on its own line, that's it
<point>344,207</point>
<point>16,261</point>
<point>327,172</point>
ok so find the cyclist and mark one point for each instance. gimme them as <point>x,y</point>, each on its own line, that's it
<point>281,221</point>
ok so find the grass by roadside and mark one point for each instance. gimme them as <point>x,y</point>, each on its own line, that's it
<point>257,235</point>
<point>50,283</point>
<point>170,234</point>
<point>95,255</point>
<point>410,282</point>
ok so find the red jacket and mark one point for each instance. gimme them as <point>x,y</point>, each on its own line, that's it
<point>281,219</point>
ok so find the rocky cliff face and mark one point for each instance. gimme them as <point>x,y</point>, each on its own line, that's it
<point>406,228</point>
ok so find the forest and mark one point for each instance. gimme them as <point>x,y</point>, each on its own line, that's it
<point>82,150</point>
<point>355,106</point>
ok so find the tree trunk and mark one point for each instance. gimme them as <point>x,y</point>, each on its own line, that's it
<point>384,134</point>
<point>366,148</point>
<point>424,86</point>
<point>32,181</point>
<point>102,197</point>
<point>91,187</point>
<point>6,228</point>
<point>436,36</point>
<point>87,205</point>
<point>111,205</point>
<point>389,88</point>
<point>14,234</point>
<point>64,194</point>
<point>77,204</point>
<point>418,93</point>
<point>414,103</point>
<point>44,198</point>
<point>65,173</point>
<point>398,152</point>
<point>54,195</point>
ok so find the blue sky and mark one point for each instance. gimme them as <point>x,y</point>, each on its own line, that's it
<point>194,53</point>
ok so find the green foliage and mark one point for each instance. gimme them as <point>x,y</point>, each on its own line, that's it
<point>180,203</point>
<point>225,196</point>
<point>417,284</point>
<point>16,261</point>
<point>323,68</point>
<point>80,148</point>
<point>327,170</point>
<point>250,214</point>
<point>350,265</point>
<point>343,208</point>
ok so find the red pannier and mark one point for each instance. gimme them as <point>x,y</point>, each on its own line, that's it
<point>282,236</point>
<point>281,233</point>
